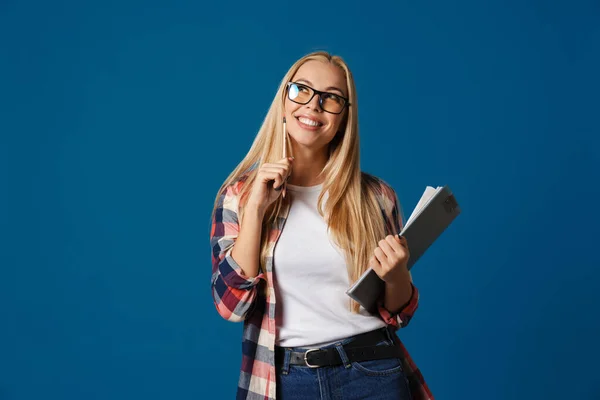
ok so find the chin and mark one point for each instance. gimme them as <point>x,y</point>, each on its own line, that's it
<point>303,141</point>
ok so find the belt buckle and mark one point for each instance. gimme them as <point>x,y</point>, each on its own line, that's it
<point>306,358</point>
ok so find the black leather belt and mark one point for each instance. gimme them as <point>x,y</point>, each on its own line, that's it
<point>362,348</point>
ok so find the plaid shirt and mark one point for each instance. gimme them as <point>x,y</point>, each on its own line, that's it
<point>240,298</point>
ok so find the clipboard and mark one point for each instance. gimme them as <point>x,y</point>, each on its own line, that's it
<point>434,212</point>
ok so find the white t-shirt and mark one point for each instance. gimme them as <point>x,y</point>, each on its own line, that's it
<point>311,278</point>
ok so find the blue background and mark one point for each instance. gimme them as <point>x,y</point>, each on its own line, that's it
<point>119,121</point>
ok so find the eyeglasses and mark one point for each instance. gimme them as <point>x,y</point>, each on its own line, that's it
<point>303,94</point>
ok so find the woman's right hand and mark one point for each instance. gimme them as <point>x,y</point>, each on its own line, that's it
<point>269,182</point>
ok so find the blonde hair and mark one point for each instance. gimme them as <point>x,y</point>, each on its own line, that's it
<point>354,215</point>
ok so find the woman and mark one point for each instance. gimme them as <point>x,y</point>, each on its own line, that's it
<point>293,226</point>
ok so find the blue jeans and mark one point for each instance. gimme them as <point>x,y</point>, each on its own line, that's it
<point>377,379</point>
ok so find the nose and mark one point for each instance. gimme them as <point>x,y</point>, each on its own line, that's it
<point>314,103</point>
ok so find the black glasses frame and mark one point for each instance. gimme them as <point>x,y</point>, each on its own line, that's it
<point>319,93</point>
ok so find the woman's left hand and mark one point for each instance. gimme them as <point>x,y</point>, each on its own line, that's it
<point>390,259</point>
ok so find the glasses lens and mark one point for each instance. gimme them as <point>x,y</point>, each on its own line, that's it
<point>293,92</point>
<point>332,103</point>
<point>300,93</point>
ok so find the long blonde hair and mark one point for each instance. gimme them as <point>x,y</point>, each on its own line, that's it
<point>354,215</point>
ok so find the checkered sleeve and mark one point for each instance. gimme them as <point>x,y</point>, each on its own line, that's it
<point>233,292</point>
<point>402,317</point>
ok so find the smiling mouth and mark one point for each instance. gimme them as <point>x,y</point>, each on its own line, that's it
<point>309,122</point>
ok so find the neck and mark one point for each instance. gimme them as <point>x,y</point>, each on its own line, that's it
<point>306,167</point>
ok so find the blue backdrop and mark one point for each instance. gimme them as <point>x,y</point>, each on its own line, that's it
<point>120,119</point>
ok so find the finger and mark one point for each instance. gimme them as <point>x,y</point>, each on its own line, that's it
<point>402,240</point>
<point>269,171</point>
<point>284,171</point>
<point>381,257</point>
<point>273,165</point>
<point>400,247</point>
<point>285,166</point>
<point>266,176</point>
<point>394,242</point>
<point>379,269</point>
<point>375,264</point>
<point>284,174</point>
<point>282,185</point>
<point>273,176</point>
<point>387,248</point>
<point>404,251</point>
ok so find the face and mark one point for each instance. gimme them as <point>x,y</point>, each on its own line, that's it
<point>308,125</point>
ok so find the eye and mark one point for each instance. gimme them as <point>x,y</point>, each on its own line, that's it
<point>332,97</point>
<point>302,88</point>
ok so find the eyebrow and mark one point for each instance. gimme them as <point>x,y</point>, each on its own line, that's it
<point>328,88</point>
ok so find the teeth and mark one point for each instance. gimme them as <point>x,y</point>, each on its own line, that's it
<point>308,121</point>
